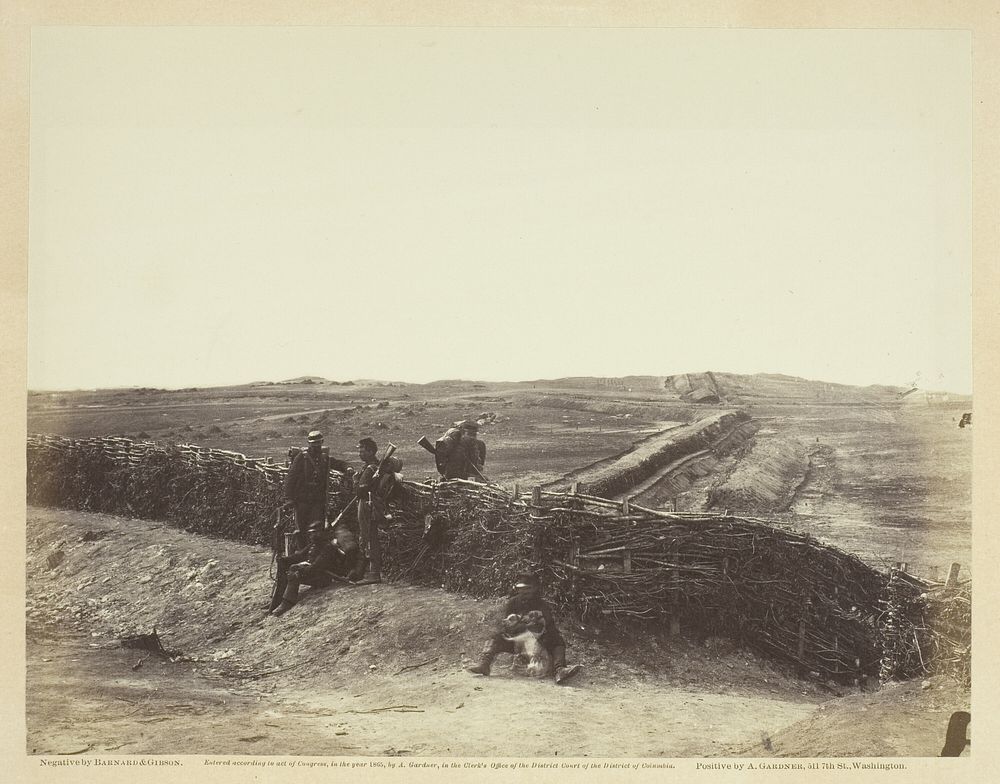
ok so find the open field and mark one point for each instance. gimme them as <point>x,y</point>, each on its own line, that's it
<point>889,477</point>
<point>891,485</point>
<point>531,441</point>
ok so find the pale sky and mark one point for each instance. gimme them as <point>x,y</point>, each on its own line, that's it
<point>224,205</point>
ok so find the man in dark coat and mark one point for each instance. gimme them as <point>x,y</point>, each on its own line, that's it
<point>372,485</point>
<point>315,564</point>
<point>459,454</point>
<point>307,479</point>
<point>527,596</point>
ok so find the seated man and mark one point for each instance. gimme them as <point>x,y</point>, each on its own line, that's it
<point>527,597</point>
<point>316,564</point>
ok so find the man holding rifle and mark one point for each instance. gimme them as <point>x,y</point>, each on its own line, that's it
<point>372,486</point>
<point>459,454</point>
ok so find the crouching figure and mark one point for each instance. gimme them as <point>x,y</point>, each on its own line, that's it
<point>327,556</point>
<point>531,658</point>
<point>528,631</point>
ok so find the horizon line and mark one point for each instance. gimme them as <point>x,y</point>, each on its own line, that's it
<point>306,378</point>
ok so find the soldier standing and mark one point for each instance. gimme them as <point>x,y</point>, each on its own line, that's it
<point>372,485</point>
<point>459,454</point>
<point>307,480</point>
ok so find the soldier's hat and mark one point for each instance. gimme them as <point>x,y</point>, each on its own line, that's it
<point>469,424</point>
<point>368,442</point>
<point>314,437</point>
<point>527,580</point>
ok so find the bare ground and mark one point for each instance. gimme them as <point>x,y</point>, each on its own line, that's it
<point>379,670</point>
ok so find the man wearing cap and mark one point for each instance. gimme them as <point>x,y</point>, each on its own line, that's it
<point>307,479</point>
<point>314,564</point>
<point>372,485</point>
<point>527,596</point>
<point>459,454</point>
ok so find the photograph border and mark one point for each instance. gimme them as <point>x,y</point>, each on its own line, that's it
<point>981,18</point>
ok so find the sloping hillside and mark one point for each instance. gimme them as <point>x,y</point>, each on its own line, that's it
<point>378,671</point>
<point>735,389</point>
<point>373,670</point>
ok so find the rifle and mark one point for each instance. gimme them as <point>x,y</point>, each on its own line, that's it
<point>279,547</point>
<point>378,471</point>
<point>343,511</point>
<point>381,463</point>
<point>425,442</point>
<point>277,538</point>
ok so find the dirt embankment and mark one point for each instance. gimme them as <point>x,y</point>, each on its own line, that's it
<point>686,484</point>
<point>715,463</point>
<point>655,455</point>
<point>376,670</point>
<point>379,670</point>
<point>765,477</point>
<point>892,723</point>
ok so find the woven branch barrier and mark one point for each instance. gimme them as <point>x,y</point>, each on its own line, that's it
<point>207,491</point>
<point>925,629</point>
<point>777,591</point>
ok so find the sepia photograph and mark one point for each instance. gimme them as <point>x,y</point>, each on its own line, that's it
<point>486,396</point>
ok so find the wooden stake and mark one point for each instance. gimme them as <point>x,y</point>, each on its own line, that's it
<point>536,501</point>
<point>953,575</point>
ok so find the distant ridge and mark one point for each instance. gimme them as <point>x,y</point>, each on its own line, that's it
<point>708,387</point>
<point>304,380</point>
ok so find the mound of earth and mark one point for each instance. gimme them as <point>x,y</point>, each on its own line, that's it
<point>373,671</point>
<point>644,459</point>
<point>765,478</point>
<point>903,719</point>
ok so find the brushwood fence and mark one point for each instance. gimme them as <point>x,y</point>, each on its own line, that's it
<point>780,592</point>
